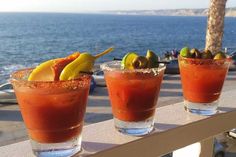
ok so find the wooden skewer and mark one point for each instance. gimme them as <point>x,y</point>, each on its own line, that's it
<point>164,62</point>
<point>86,72</point>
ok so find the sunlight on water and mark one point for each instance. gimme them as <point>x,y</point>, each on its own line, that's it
<point>30,38</point>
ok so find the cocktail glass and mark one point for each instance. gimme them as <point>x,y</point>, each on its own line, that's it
<point>202,82</point>
<point>53,112</point>
<point>133,95</point>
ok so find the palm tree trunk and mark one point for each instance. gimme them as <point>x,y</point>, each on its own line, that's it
<point>215,27</point>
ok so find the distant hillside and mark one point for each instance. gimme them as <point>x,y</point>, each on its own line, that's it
<point>171,12</point>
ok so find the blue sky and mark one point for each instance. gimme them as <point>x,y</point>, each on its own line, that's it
<point>98,5</point>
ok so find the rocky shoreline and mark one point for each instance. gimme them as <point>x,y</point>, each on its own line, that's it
<point>230,12</point>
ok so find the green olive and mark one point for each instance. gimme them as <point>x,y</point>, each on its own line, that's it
<point>195,53</point>
<point>152,59</point>
<point>185,52</point>
<point>220,55</point>
<point>206,54</point>
<point>140,62</point>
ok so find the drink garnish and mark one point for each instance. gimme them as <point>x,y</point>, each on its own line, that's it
<point>65,68</point>
<point>84,62</point>
<point>153,59</point>
<point>127,60</point>
<point>140,62</point>
<point>43,72</point>
<point>60,64</point>
<point>205,54</point>
<point>185,52</point>
<point>195,53</point>
<point>220,55</point>
<point>133,61</point>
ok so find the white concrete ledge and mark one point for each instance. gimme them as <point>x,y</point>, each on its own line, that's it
<point>175,128</point>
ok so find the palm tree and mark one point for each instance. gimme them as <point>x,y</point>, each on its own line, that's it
<point>215,27</point>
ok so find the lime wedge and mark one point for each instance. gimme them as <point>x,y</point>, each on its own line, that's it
<point>185,52</point>
<point>127,60</point>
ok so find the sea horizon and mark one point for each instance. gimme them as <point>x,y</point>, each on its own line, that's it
<point>27,39</point>
<point>230,12</point>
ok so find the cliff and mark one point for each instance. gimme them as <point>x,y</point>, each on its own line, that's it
<point>171,12</point>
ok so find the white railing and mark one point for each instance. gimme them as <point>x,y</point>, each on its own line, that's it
<point>178,129</point>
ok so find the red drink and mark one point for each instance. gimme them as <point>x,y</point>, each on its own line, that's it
<point>202,80</point>
<point>53,111</point>
<point>133,94</point>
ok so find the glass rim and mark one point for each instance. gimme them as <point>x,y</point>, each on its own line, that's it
<point>18,77</point>
<point>117,67</point>
<point>204,60</point>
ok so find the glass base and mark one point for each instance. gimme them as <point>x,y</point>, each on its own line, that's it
<point>205,109</point>
<point>135,128</point>
<point>64,149</point>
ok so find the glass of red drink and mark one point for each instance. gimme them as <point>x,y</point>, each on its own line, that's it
<point>133,95</point>
<point>53,112</point>
<point>202,82</point>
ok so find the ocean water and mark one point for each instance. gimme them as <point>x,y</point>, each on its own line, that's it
<point>26,39</point>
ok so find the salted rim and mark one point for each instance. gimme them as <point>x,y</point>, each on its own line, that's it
<point>116,66</point>
<point>204,60</point>
<point>20,77</point>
